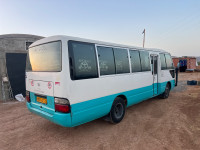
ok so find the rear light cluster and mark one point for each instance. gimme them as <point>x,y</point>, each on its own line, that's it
<point>28,96</point>
<point>62,105</point>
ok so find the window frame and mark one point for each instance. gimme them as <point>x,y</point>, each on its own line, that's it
<point>139,60</point>
<point>110,46</point>
<point>171,62</point>
<point>61,47</point>
<point>71,56</point>
<point>161,62</point>
<point>166,61</point>
<point>113,48</point>
<point>149,60</point>
<point>98,60</point>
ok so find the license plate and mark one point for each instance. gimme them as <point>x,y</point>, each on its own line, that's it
<point>42,100</point>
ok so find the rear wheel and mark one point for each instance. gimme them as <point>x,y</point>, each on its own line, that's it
<point>166,92</point>
<point>118,110</point>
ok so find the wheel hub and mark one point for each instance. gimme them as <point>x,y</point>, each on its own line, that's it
<point>118,111</point>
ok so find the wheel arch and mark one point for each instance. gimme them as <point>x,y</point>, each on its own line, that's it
<point>170,86</point>
<point>123,97</point>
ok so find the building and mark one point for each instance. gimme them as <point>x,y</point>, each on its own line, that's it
<point>186,62</point>
<point>13,50</point>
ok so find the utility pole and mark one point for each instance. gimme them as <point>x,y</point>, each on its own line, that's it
<point>143,37</point>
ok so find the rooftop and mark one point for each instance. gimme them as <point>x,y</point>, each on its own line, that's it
<point>5,36</point>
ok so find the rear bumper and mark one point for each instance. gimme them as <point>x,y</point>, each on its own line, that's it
<point>58,118</point>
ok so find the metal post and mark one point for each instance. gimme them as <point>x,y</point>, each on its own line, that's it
<point>144,37</point>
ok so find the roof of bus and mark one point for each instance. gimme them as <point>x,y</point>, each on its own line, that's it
<point>63,37</point>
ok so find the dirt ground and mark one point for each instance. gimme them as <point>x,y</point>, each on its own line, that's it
<point>173,123</point>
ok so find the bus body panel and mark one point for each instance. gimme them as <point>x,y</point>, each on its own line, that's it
<point>90,98</point>
<point>38,83</point>
<point>58,118</point>
<point>92,109</point>
<point>165,77</point>
<point>82,90</point>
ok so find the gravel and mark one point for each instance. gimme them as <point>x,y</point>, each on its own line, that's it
<point>157,124</point>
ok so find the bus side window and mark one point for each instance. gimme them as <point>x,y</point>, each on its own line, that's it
<point>106,60</point>
<point>163,62</point>
<point>83,64</point>
<point>135,61</point>
<point>121,61</point>
<point>169,61</point>
<point>145,63</point>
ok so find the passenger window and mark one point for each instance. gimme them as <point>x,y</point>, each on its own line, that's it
<point>106,60</point>
<point>135,61</point>
<point>163,62</point>
<point>121,61</point>
<point>145,63</point>
<point>169,61</point>
<point>82,60</point>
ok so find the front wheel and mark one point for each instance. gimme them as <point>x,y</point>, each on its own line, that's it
<point>118,110</point>
<point>166,92</point>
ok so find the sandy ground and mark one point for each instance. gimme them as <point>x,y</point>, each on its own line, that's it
<point>154,124</point>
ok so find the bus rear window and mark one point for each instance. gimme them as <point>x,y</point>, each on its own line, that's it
<point>45,57</point>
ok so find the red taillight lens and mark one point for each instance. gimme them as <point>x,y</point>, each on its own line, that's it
<point>62,108</point>
<point>28,96</point>
<point>62,105</point>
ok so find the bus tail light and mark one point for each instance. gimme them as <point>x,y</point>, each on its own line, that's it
<point>28,96</point>
<point>62,105</point>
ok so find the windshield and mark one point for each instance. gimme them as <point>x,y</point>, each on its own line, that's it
<point>45,57</point>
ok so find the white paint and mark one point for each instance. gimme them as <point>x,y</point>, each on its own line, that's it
<point>82,90</point>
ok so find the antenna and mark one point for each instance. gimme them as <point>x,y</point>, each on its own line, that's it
<point>143,37</point>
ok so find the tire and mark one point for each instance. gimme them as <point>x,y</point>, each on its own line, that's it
<point>165,95</point>
<point>117,111</point>
<point>193,82</point>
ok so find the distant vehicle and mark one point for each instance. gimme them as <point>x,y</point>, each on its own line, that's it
<point>71,81</point>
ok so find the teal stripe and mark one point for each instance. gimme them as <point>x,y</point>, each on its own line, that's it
<point>161,86</point>
<point>92,109</point>
<point>96,108</point>
<point>89,110</point>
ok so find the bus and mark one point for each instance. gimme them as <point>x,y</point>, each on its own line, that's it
<point>71,81</point>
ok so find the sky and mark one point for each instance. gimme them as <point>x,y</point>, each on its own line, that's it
<point>172,25</point>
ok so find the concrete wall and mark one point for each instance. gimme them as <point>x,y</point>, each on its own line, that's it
<point>12,43</point>
<point>16,42</point>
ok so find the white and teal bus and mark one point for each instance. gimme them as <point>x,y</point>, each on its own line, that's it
<point>71,81</point>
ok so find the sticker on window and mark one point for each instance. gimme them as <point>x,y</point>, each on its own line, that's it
<point>84,65</point>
